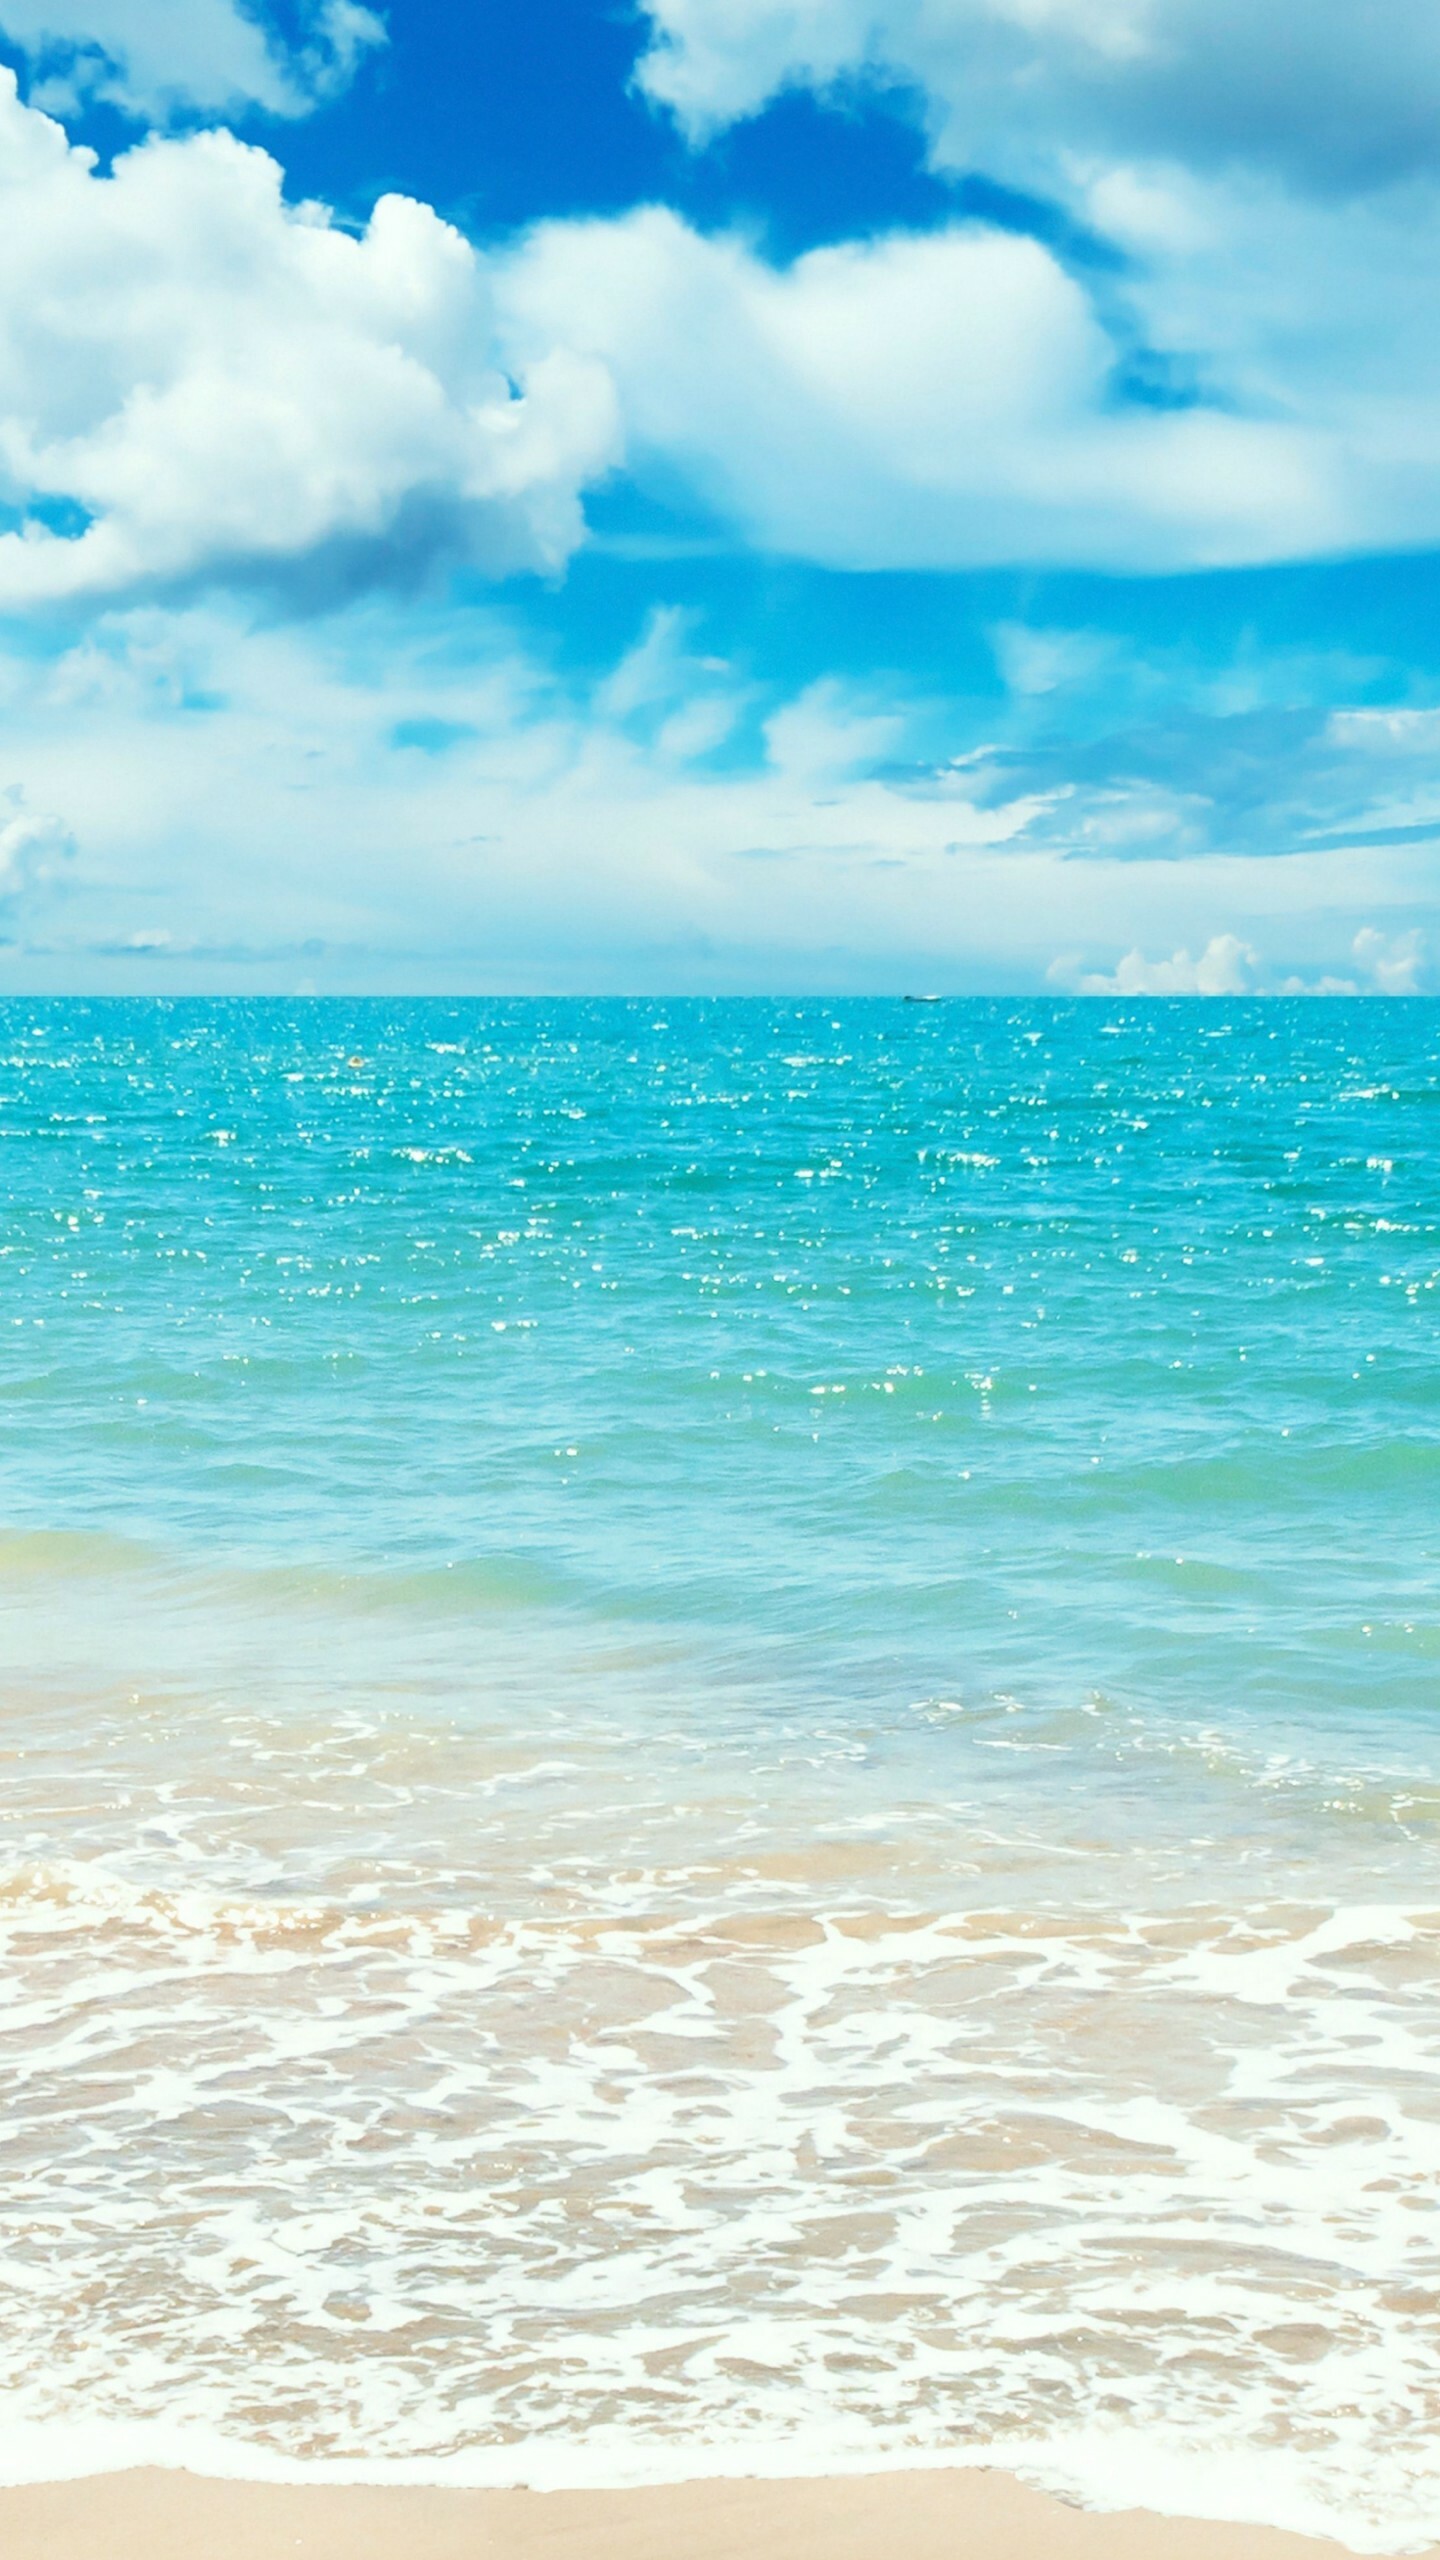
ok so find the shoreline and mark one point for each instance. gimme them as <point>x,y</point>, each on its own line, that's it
<point>957,2514</point>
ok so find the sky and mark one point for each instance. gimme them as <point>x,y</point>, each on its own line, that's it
<point>719,496</point>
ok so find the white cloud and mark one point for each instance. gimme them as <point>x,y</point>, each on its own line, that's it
<point>827,733</point>
<point>152,58</point>
<point>425,805</point>
<point>35,848</point>
<point>1226,967</point>
<point>199,380</point>
<point>1271,179</point>
<point>1393,963</point>
<point>1391,732</point>
<point>1386,964</point>
<point>686,704</point>
<point>1034,660</point>
<point>1328,95</point>
<point>221,381</point>
<point>542,836</point>
<point>928,401</point>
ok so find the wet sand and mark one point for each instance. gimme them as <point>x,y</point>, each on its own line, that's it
<point>925,2515</point>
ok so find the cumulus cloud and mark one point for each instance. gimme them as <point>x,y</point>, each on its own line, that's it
<point>1385,964</point>
<point>196,376</point>
<point>1330,96</point>
<point>1393,963</point>
<point>928,401</point>
<point>1226,967</point>
<point>964,397</point>
<point>1268,183</point>
<point>155,58</point>
<point>199,379</point>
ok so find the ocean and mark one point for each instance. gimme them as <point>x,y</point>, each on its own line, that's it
<point>721,1743</point>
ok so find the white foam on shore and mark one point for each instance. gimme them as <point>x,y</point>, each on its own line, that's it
<point>613,2200</point>
<point>1110,2472</point>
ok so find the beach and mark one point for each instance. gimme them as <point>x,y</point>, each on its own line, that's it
<point>719,1757</point>
<point>937,2515</point>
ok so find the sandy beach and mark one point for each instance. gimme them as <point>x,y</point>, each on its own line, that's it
<point>931,2515</point>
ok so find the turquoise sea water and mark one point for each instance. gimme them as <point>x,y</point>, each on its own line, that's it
<point>720,1740</point>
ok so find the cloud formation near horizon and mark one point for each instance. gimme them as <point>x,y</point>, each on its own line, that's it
<point>460,809</point>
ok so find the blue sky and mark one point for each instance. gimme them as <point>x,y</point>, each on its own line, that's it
<point>722,494</point>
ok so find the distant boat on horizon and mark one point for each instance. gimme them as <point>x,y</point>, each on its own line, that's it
<point>922,999</point>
